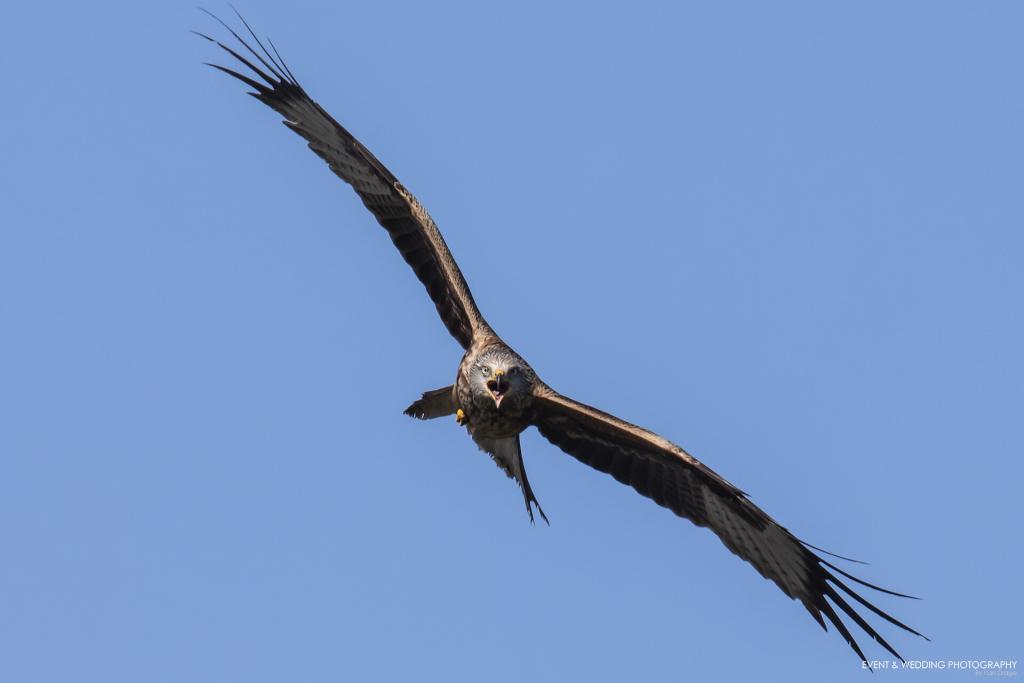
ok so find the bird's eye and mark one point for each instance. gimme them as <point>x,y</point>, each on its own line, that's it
<point>485,371</point>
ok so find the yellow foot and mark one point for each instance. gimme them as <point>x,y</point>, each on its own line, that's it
<point>460,416</point>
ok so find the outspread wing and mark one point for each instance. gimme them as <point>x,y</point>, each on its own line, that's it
<point>407,222</point>
<point>671,477</point>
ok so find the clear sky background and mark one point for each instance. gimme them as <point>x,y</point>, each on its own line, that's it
<point>787,236</point>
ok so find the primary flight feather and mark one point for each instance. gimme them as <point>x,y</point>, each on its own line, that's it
<point>497,395</point>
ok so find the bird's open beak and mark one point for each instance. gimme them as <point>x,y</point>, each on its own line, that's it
<point>497,385</point>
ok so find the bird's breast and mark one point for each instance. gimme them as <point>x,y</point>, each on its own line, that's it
<point>485,419</point>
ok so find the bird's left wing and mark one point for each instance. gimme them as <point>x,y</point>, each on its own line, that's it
<point>671,477</point>
<point>395,208</point>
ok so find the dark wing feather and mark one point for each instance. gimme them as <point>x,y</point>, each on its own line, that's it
<point>664,472</point>
<point>407,222</point>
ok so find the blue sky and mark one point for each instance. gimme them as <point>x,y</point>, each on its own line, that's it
<point>787,236</point>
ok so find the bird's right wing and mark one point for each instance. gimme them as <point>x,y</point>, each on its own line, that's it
<point>395,208</point>
<point>671,477</point>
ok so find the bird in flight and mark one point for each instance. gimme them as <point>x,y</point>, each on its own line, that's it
<point>497,395</point>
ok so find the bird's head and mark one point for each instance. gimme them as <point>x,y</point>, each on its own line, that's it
<point>503,375</point>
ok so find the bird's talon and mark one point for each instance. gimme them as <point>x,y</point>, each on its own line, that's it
<point>460,416</point>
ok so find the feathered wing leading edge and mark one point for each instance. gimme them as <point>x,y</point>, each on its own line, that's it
<point>671,477</point>
<point>407,222</point>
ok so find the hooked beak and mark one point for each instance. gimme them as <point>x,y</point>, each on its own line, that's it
<point>497,385</point>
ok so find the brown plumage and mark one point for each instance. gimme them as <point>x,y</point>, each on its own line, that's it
<point>497,395</point>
